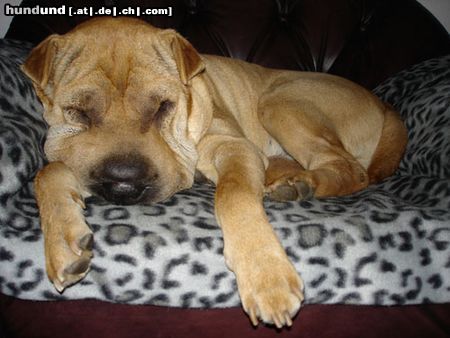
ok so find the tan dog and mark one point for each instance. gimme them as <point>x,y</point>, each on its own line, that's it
<point>135,111</point>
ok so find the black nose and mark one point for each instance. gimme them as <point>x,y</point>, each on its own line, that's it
<point>123,179</point>
<point>124,169</point>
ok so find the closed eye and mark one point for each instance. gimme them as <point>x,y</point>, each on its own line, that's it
<point>164,107</point>
<point>156,116</point>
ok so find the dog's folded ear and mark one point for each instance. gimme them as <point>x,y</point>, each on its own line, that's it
<point>188,60</point>
<point>40,63</point>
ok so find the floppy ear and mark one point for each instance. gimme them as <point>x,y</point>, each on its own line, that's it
<point>39,64</point>
<point>188,60</point>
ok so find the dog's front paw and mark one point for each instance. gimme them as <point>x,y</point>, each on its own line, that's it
<point>68,251</point>
<point>271,290</point>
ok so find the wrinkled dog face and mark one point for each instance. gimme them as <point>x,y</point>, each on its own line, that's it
<point>117,101</point>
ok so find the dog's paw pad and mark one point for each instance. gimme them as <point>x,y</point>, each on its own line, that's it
<point>284,193</point>
<point>291,190</point>
<point>304,191</point>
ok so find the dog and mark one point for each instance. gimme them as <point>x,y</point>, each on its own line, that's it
<point>135,113</point>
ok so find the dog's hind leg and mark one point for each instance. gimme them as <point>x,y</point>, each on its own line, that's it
<point>67,238</point>
<point>329,170</point>
<point>390,148</point>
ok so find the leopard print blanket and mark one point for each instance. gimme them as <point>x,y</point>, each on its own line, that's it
<point>389,244</point>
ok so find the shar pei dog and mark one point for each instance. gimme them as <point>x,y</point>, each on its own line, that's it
<point>135,113</point>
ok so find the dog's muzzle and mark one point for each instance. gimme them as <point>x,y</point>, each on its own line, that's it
<point>124,180</point>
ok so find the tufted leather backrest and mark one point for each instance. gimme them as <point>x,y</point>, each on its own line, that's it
<point>363,40</point>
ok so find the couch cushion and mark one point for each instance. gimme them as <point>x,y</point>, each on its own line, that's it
<point>22,128</point>
<point>385,245</point>
<point>422,95</point>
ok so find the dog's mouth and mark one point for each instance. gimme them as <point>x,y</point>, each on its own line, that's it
<point>125,193</point>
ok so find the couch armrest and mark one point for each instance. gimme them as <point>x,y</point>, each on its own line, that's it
<point>422,95</point>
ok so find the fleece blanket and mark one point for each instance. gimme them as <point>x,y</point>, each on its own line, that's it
<point>386,245</point>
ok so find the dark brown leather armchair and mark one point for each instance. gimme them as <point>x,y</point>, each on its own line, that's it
<point>363,40</point>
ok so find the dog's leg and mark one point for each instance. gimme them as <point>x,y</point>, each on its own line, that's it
<point>268,284</point>
<point>68,239</point>
<point>329,169</point>
<point>391,147</point>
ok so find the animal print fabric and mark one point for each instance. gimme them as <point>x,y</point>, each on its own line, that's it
<point>389,244</point>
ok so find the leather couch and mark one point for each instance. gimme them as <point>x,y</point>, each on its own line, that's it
<point>363,40</point>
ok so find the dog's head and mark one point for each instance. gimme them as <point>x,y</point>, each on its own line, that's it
<point>123,112</point>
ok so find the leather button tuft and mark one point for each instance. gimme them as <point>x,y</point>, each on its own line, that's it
<point>192,7</point>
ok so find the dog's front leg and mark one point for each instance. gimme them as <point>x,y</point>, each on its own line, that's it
<point>268,284</point>
<point>68,239</point>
